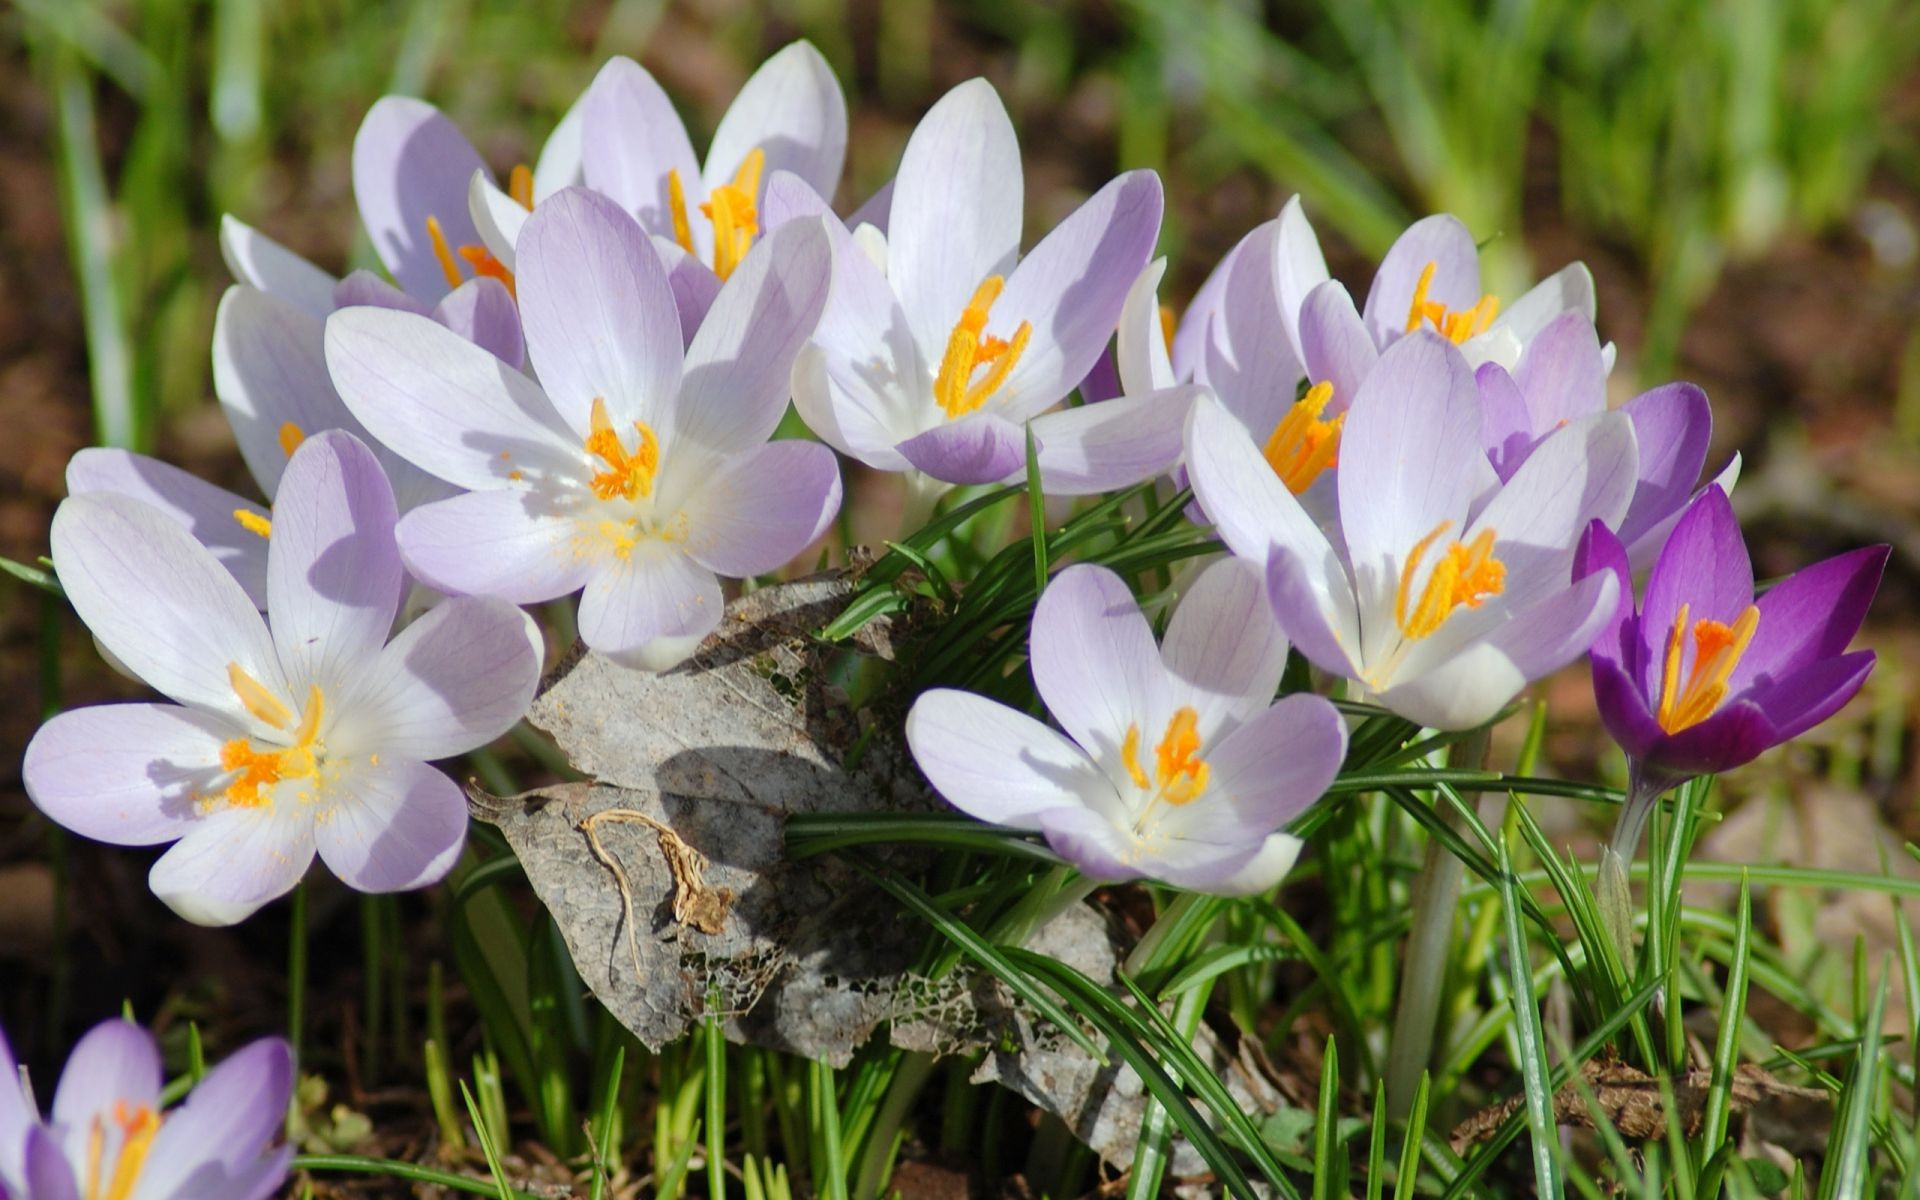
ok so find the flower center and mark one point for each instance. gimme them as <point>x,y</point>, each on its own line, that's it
<point>250,767</point>
<point>1179,773</point>
<point>1456,327</point>
<point>520,187</point>
<point>626,475</point>
<point>970,347</point>
<point>731,208</point>
<point>1467,573</point>
<point>1303,444</point>
<point>137,1130</point>
<point>1689,694</point>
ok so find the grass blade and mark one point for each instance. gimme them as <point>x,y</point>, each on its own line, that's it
<point>1536,1072</point>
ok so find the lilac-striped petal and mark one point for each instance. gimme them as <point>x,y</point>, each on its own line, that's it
<point>1570,289</point>
<point>445,405</point>
<point>226,1123</point>
<point>1797,701</point>
<point>739,367</point>
<point>125,774</point>
<point>1071,288</point>
<point>159,602</point>
<point>46,1173</point>
<point>693,283</point>
<point>1461,692</point>
<point>1599,550</point>
<point>233,861</point>
<point>1810,615</point>
<point>483,312</point>
<point>982,448</point>
<point>15,1118</point>
<point>1441,240</point>
<point>1559,629</point>
<point>1272,767</point>
<point>956,210</point>
<point>1252,368</point>
<point>393,826</point>
<point>1335,346</point>
<point>792,111</point>
<point>366,288</point>
<point>1299,268</point>
<point>411,163</point>
<point>1273,857</point>
<point>875,212</point>
<point>1321,627</point>
<point>1561,373</point>
<point>1140,347</point>
<point>1102,380</point>
<point>334,578</point>
<point>631,137</point>
<point>1195,330</point>
<point>656,595</point>
<point>259,262</point>
<point>763,507</point>
<point>561,164</point>
<point>1093,843</point>
<point>860,421</point>
<point>1095,664</point>
<point>1103,447</point>
<point>509,543</point>
<point>1224,651</point>
<point>599,315</point>
<point>205,511</point>
<point>116,1062</point>
<point>269,373</point>
<point>1673,425</point>
<point>995,763</point>
<point>497,218</point>
<point>1581,474</point>
<point>451,682</point>
<point>1705,567</point>
<point>1506,427</point>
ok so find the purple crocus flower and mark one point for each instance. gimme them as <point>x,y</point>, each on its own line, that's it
<point>1701,677</point>
<point>1440,589</point>
<point>942,343</point>
<point>313,734</point>
<point>1175,764</point>
<point>635,470</point>
<point>109,1139</point>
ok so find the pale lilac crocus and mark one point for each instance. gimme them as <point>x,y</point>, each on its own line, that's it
<point>109,1138</point>
<point>1440,589</point>
<point>309,735</point>
<point>942,343</point>
<point>1175,762</point>
<point>1701,676</point>
<point>635,472</point>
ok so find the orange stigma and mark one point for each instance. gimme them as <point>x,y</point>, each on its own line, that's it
<point>1466,574</point>
<point>1179,773</point>
<point>970,347</point>
<point>252,766</point>
<point>1458,326</point>
<point>1303,444</point>
<point>478,257</point>
<point>1690,694</point>
<point>628,475</point>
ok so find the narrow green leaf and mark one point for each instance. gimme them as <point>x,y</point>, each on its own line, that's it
<point>1535,1072</point>
<point>43,579</point>
<point>1847,1170</point>
<point>1036,514</point>
<point>1416,1132</point>
<point>358,1164</point>
<point>1329,1153</point>
<point>1726,1049</point>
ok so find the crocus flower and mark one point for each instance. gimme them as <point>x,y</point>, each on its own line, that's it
<point>942,344</point>
<point>1563,378</point>
<point>109,1139</point>
<point>313,734</point>
<point>634,470</point>
<point>1440,589</point>
<point>1175,762</point>
<point>1701,677</point>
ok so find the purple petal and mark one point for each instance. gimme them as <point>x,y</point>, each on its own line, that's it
<point>1562,627</point>
<point>1334,343</point>
<point>1703,566</point>
<point>600,318</point>
<point>364,288</point>
<point>1581,474</point>
<point>1561,373</point>
<point>983,448</point>
<point>1102,380</point>
<point>762,508</point>
<point>1796,702</point>
<point>226,1123</point>
<point>791,110</point>
<point>1599,550</point>
<point>995,763</point>
<point>509,543</point>
<point>411,163</point>
<point>159,602</point>
<point>451,682</point>
<point>334,579</point>
<point>232,862</point>
<point>632,603</point>
<point>1809,616</point>
<point>483,312</point>
<point>15,1118</point>
<point>1506,427</point>
<point>126,774</point>
<point>559,165</point>
<point>693,283</point>
<point>1441,240</point>
<point>1673,425</point>
<point>739,367</point>
<point>1624,707</point>
<point>203,510</point>
<point>1098,448</point>
<point>1223,649</point>
<point>1252,366</point>
<point>115,1064</point>
<point>394,827</point>
<point>259,262</point>
<point>956,210</point>
<point>1092,842</point>
<point>269,372</point>
<point>1271,768</point>
<point>1094,661</point>
<point>47,1176</point>
<point>630,138</point>
<point>1302,609</point>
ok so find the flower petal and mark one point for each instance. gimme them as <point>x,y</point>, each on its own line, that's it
<point>1334,343</point>
<point>1252,367</point>
<point>226,1122</point>
<point>411,163</point>
<point>393,826</point>
<point>1570,289</point>
<point>1267,771</point>
<point>47,1174</point>
<point>1093,843</point>
<point>125,774</point>
<point>1561,373</point>
<point>1096,448</point>
<point>509,543</point>
<point>956,210</point>
<point>1223,649</point>
<point>860,421</point>
<point>497,218</point>
<point>1315,610</point>
<point>560,163</point>
<point>259,262</point>
<point>792,111</point>
<point>763,507</point>
<point>1674,425</point>
<point>1140,355</point>
<point>656,594</point>
<point>993,762</point>
<point>1440,240</point>
<point>982,448</point>
<point>366,288</point>
<point>232,862</point>
<point>1461,692</point>
<point>1809,616</point>
<point>630,138</point>
<point>269,373</point>
<point>1197,325</point>
<point>599,315</point>
<point>115,1063</point>
<point>1506,427</point>
<point>1299,268</point>
<point>693,283</point>
<point>1599,550</point>
<point>203,510</point>
<point>1704,566</point>
<point>482,311</point>
<point>1095,664</point>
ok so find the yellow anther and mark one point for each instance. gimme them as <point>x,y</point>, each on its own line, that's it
<point>520,186</point>
<point>732,207</point>
<point>256,699</point>
<point>1303,444</point>
<point>484,263</point>
<point>254,767</point>
<point>677,206</point>
<point>1456,327</point>
<point>1167,324</point>
<point>1466,574</point>
<point>1690,694</point>
<point>1179,773</point>
<point>478,257</point>
<point>291,436</point>
<point>628,475</point>
<point>449,266</point>
<point>970,347</point>
<point>137,1131</point>
<point>253,522</point>
<point>1130,757</point>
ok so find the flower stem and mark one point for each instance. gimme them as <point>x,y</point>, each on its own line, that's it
<point>1435,901</point>
<point>1616,859</point>
<point>923,496</point>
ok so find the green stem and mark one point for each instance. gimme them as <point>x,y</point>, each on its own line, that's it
<point>402,1170</point>
<point>297,968</point>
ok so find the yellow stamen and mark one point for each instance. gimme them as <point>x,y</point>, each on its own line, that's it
<point>253,522</point>
<point>677,205</point>
<point>1467,573</point>
<point>1179,773</point>
<point>1456,327</point>
<point>448,266</point>
<point>731,207</point>
<point>970,347</point>
<point>1302,444</point>
<point>256,699</point>
<point>1690,695</point>
<point>484,263</point>
<point>1167,324</point>
<point>629,475</point>
<point>478,257</point>
<point>520,186</point>
<point>291,436</point>
<point>254,767</point>
<point>137,1131</point>
<point>1130,757</point>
